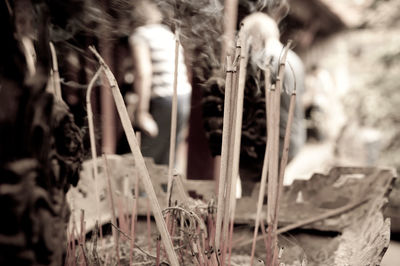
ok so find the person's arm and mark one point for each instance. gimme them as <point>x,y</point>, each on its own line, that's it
<point>142,86</point>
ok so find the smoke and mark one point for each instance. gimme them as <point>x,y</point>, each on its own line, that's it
<point>91,18</point>
<point>200,25</point>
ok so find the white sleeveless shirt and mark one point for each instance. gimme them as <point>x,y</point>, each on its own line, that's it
<point>161,42</point>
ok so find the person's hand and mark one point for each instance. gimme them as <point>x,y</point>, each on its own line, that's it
<point>145,122</point>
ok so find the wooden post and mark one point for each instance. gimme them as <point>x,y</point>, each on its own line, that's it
<point>230,19</point>
<point>109,141</point>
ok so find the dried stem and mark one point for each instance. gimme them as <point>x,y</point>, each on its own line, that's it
<point>139,161</point>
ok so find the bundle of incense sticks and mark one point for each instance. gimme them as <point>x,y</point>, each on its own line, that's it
<point>232,127</point>
<point>275,173</point>
<point>271,161</point>
<point>271,166</point>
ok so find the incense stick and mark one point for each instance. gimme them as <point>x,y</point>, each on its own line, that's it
<point>114,219</point>
<point>93,144</point>
<point>135,204</point>
<point>82,224</point>
<point>82,239</point>
<point>235,177</point>
<point>139,161</point>
<point>273,142</point>
<point>237,133</point>
<point>224,152</point>
<point>172,141</point>
<point>284,160</point>
<point>274,131</point>
<point>273,176</point>
<point>285,154</point>
<point>261,194</point>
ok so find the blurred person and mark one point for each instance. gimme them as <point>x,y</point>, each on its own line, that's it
<point>323,108</point>
<point>153,47</point>
<point>261,34</point>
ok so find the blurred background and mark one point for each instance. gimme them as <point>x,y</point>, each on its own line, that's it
<point>351,53</point>
<point>351,50</point>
